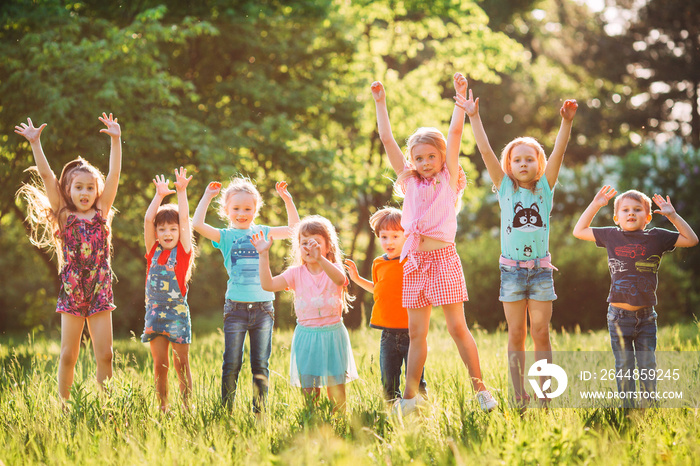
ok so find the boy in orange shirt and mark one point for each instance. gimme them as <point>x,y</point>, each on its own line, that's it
<point>387,312</point>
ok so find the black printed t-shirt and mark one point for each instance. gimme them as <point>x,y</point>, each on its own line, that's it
<point>633,260</point>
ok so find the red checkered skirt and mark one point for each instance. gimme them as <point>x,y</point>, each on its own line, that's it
<point>433,278</point>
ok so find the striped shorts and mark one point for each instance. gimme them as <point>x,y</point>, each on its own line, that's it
<point>433,278</point>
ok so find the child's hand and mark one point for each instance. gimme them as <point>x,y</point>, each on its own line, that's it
<point>665,206</point>
<point>281,188</point>
<point>460,83</point>
<point>378,91</point>
<point>568,110</point>
<point>112,128</point>
<point>260,243</point>
<point>181,179</point>
<point>604,195</point>
<point>162,186</point>
<point>29,131</point>
<point>311,250</point>
<point>470,106</point>
<point>213,188</point>
<point>351,267</point>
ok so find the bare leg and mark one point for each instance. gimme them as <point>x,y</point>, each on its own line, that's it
<point>71,332</point>
<point>100,327</point>
<point>540,317</point>
<point>336,394</point>
<point>466,345</point>
<point>418,325</point>
<point>161,363</point>
<point>516,316</point>
<point>181,360</point>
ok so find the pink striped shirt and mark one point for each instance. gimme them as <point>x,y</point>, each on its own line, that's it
<point>429,208</point>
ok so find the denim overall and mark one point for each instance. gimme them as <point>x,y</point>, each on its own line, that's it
<point>167,311</point>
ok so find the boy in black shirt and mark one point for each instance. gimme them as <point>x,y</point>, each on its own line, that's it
<point>634,255</point>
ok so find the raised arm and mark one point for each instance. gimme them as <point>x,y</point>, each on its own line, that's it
<point>393,151</point>
<point>583,229</point>
<point>454,134</point>
<point>292,214</point>
<point>267,281</point>
<point>149,226</point>
<point>200,213</point>
<point>33,135</point>
<point>686,236</point>
<point>471,107</point>
<point>354,275</point>
<point>183,208</point>
<point>567,112</point>
<point>115,162</point>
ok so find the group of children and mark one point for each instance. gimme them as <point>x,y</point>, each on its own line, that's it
<point>420,267</point>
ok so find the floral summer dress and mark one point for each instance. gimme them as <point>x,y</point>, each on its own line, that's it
<point>86,277</point>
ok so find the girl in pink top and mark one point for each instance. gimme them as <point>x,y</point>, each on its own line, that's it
<point>431,181</point>
<point>321,354</point>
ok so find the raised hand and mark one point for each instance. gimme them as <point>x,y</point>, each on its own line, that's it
<point>162,186</point>
<point>604,195</point>
<point>281,187</point>
<point>351,267</point>
<point>260,243</point>
<point>470,106</point>
<point>213,188</point>
<point>460,83</point>
<point>311,250</point>
<point>568,109</point>
<point>181,179</point>
<point>378,91</point>
<point>113,129</point>
<point>665,206</point>
<point>31,133</point>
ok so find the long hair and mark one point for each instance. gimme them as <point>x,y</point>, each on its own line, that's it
<point>317,225</point>
<point>46,230</point>
<point>507,155</point>
<point>425,135</point>
<point>237,185</point>
<point>169,214</point>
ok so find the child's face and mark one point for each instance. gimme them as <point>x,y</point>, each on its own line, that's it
<point>392,242</point>
<point>523,164</point>
<point>631,215</point>
<point>309,253</point>
<point>241,209</point>
<point>168,234</point>
<point>427,160</point>
<point>83,191</point>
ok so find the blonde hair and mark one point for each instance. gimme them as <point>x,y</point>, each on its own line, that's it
<point>386,218</point>
<point>637,196</point>
<point>45,225</point>
<point>317,225</point>
<point>507,155</point>
<point>425,135</point>
<point>170,213</point>
<point>237,185</point>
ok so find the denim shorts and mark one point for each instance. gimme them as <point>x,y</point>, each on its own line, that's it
<point>518,283</point>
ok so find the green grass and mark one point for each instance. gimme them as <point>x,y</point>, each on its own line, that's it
<point>127,428</point>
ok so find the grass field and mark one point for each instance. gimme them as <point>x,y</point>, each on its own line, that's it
<point>127,428</point>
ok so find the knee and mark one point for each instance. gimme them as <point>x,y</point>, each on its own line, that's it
<point>418,334</point>
<point>540,333</point>
<point>517,335</point>
<point>104,356</point>
<point>69,356</point>
<point>459,332</point>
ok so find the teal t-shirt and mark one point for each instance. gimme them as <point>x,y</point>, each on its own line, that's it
<point>525,220</point>
<point>242,261</point>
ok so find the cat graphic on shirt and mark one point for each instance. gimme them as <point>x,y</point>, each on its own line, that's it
<point>527,219</point>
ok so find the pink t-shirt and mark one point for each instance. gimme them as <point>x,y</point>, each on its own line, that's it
<point>429,208</point>
<point>317,300</point>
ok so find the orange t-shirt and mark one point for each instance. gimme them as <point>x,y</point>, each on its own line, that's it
<point>387,276</point>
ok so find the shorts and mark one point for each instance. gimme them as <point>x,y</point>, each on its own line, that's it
<point>518,283</point>
<point>433,278</point>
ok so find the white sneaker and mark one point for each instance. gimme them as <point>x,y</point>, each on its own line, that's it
<point>406,406</point>
<point>487,402</point>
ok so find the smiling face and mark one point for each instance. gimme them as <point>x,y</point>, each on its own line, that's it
<point>305,241</point>
<point>392,242</point>
<point>241,209</point>
<point>524,165</point>
<point>83,191</point>
<point>631,214</point>
<point>427,160</point>
<point>168,234</point>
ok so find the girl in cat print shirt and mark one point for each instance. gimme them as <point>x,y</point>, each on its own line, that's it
<point>524,180</point>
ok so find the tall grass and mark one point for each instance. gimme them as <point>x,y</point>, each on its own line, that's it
<point>123,425</point>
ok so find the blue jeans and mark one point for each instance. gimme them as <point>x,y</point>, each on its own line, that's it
<point>256,319</point>
<point>393,354</point>
<point>633,336</point>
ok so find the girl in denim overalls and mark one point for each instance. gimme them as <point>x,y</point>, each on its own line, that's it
<point>525,182</point>
<point>248,308</point>
<point>170,253</point>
